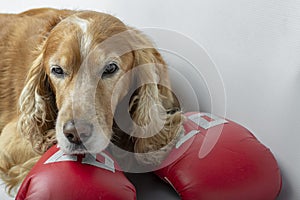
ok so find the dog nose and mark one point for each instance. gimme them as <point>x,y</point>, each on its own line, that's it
<point>77,131</point>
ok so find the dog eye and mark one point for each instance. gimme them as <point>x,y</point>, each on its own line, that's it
<point>110,69</point>
<point>57,71</point>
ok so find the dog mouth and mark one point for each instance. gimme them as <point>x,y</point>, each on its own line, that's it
<point>83,147</point>
<point>77,149</point>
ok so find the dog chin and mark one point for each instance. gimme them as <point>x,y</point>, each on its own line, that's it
<point>81,148</point>
<point>74,149</point>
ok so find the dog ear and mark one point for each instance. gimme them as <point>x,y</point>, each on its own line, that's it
<point>37,104</point>
<point>153,84</point>
<point>37,108</point>
<point>154,109</point>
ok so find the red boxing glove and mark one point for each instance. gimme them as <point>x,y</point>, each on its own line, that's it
<point>218,159</point>
<point>57,176</point>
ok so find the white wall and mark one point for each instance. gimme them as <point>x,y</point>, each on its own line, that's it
<point>254,44</point>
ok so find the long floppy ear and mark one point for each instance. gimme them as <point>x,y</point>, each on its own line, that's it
<point>153,108</point>
<point>37,104</point>
<point>37,108</point>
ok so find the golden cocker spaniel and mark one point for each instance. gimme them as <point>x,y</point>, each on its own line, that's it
<point>63,74</point>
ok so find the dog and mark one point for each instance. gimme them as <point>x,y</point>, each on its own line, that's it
<point>63,76</point>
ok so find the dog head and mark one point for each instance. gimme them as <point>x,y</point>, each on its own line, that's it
<point>87,64</point>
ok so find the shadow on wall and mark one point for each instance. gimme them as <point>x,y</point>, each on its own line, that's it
<point>287,189</point>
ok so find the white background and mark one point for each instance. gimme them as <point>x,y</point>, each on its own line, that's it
<point>255,45</point>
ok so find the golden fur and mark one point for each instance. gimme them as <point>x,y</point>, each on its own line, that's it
<point>35,104</point>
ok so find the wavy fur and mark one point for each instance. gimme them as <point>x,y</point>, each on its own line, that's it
<point>37,109</point>
<point>26,127</point>
<point>154,109</point>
